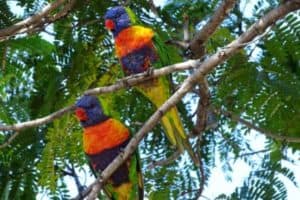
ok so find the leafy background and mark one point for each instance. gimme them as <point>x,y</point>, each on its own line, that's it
<point>45,71</point>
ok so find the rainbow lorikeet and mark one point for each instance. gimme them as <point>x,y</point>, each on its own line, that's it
<point>139,48</point>
<point>103,139</point>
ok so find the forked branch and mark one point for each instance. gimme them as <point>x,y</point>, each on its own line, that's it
<point>208,65</point>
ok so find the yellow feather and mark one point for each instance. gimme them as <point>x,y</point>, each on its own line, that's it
<point>123,191</point>
<point>132,38</point>
<point>157,92</point>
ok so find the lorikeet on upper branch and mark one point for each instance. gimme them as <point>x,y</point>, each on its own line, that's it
<point>103,139</point>
<point>139,48</point>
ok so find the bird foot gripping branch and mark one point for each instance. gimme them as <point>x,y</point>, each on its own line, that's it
<point>149,71</point>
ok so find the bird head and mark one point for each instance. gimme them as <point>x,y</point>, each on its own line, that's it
<point>117,19</point>
<point>89,111</point>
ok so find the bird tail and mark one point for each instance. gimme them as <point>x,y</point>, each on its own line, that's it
<point>134,188</point>
<point>157,91</point>
<point>140,179</point>
<point>174,127</point>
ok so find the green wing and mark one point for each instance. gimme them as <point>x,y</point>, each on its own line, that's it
<point>167,54</point>
<point>109,101</point>
<point>133,19</point>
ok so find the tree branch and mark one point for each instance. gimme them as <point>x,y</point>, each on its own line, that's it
<point>38,20</point>
<point>184,44</point>
<point>64,11</point>
<point>261,130</point>
<point>79,186</point>
<point>153,8</point>
<point>4,57</point>
<point>202,108</point>
<point>253,153</point>
<point>197,43</point>
<point>208,65</point>
<point>201,169</point>
<point>178,43</point>
<point>166,161</point>
<point>72,173</point>
<point>142,77</point>
<point>37,122</point>
<point>10,139</point>
<point>122,83</point>
<point>186,32</point>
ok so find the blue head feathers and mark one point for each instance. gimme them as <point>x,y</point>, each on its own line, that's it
<point>89,111</point>
<point>116,19</point>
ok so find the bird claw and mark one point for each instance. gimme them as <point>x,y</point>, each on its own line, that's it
<point>121,151</point>
<point>149,71</point>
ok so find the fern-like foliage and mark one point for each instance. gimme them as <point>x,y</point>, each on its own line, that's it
<point>264,182</point>
<point>39,75</point>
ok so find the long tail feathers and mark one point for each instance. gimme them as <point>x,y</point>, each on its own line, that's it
<point>140,179</point>
<point>173,126</point>
<point>156,90</point>
<point>134,189</point>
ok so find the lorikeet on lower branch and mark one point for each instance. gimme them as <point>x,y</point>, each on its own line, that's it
<point>103,139</point>
<point>139,48</point>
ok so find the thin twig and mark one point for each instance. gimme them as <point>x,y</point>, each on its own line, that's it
<point>255,40</point>
<point>66,9</point>
<point>253,153</point>
<point>79,186</point>
<point>274,136</point>
<point>87,23</point>
<point>203,178</point>
<point>178,43</point>
<point>186,32</point>
<point>199,191</point>
<point>153,8</point>
<point>4,57</point>
<point>10,139</point>
<point>192,191</point>
<point>71,172</point>
<point>184,43</point>
<point>37,122</point>
<point>201,168</point>
<point>164,162</point>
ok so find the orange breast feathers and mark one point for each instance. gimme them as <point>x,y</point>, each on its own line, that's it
<point>106,135</point>
<point>131,39</point>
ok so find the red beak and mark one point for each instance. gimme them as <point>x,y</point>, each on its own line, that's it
<point>81,114</point>
<point>109,24</point>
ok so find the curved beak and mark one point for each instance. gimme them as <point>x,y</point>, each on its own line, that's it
<point>109,24</point>
<point>81,114</point>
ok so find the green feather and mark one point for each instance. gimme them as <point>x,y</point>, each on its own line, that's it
<point>133,19</point>
<point>167,54</point>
